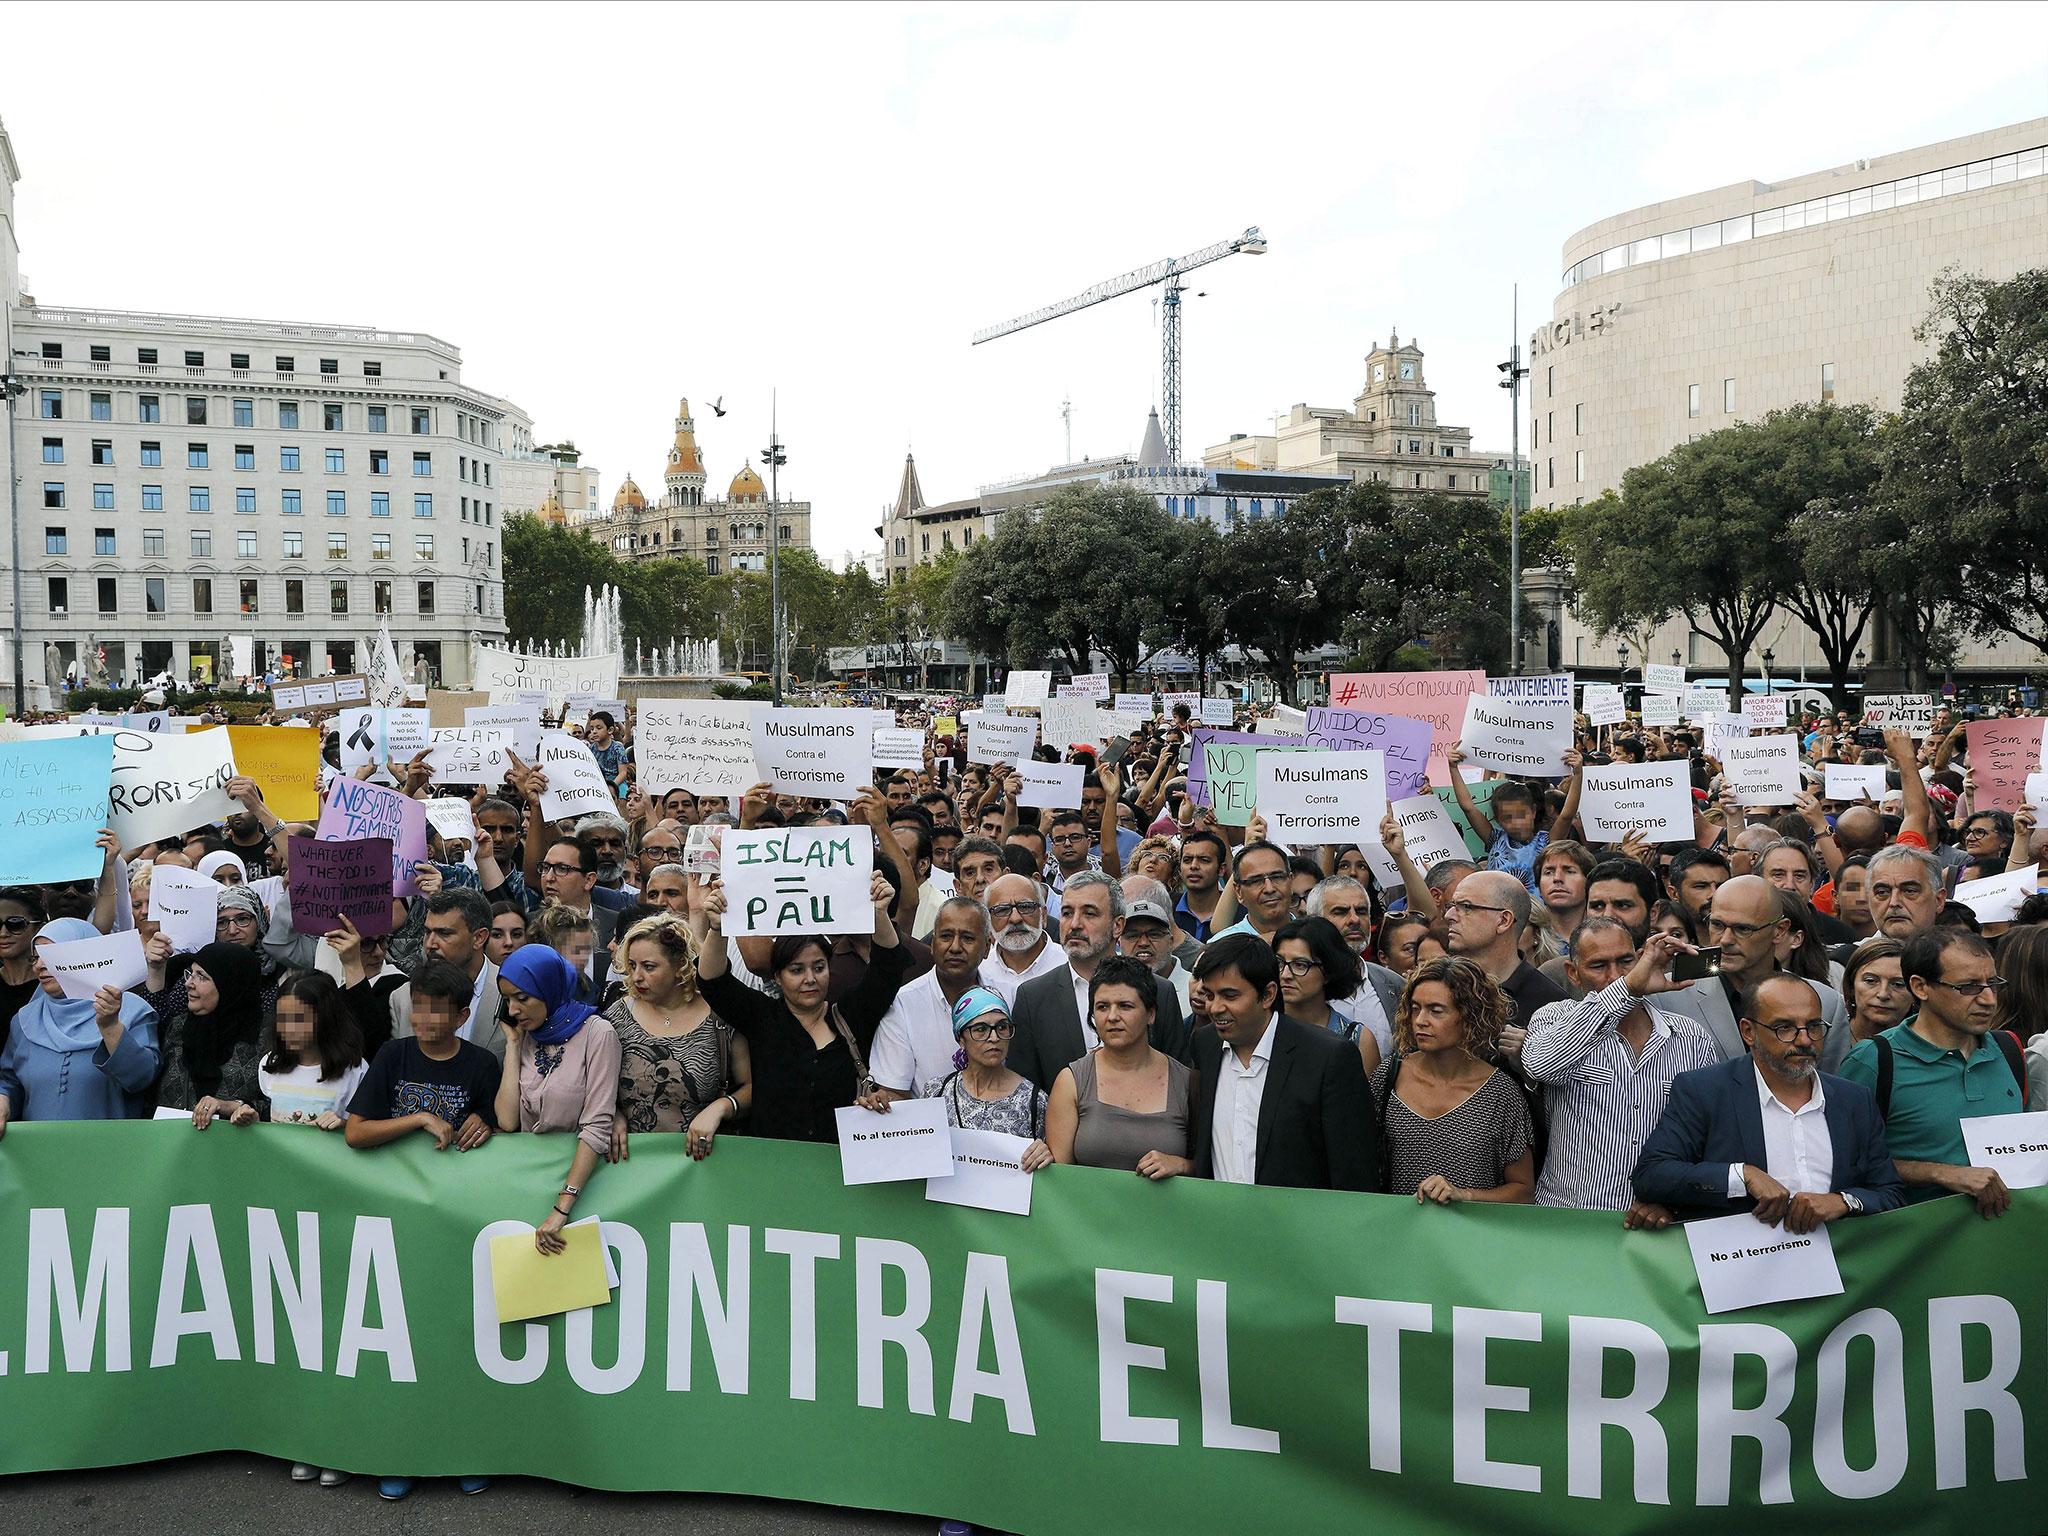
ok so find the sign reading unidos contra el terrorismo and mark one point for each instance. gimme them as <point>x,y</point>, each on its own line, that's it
<point>797,880</point>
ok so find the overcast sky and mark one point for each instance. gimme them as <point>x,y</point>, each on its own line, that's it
<point>609,207</point>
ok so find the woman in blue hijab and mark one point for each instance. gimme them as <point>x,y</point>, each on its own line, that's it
<point>561,1069</point>
<point>68,1059</point>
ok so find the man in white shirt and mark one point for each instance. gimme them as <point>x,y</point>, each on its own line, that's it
<point>914,1044</point>
<point>1016,906</point>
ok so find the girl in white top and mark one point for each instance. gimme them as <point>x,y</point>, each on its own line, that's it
<point>312,1073</point>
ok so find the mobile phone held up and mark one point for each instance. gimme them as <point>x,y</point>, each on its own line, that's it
<point>1697,966</point>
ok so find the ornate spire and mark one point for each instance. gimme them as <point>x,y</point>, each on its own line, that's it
<point>909,495</point>
<point>683,458</point>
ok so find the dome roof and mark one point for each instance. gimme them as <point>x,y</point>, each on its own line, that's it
<point>629,498</point>
<point>746,485</point>
<point>550,511</point>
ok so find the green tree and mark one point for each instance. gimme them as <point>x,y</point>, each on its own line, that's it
<point>1195,591</point>
<point>1293,582</point>
<point>1829,455</point>
<point>547,569</point>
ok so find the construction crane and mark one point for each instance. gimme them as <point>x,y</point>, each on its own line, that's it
<point>1169,272</point>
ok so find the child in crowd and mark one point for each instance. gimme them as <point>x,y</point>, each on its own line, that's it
<point>1513,843</point>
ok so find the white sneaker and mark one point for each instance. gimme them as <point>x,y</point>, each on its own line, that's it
<point>332,1477</point>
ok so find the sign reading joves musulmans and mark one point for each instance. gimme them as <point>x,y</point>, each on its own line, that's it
<point>1154,1360</point>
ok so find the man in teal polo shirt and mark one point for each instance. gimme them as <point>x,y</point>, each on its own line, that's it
<point>1946,1067</point>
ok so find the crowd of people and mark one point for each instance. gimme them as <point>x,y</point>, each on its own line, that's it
<point>1128,984</point>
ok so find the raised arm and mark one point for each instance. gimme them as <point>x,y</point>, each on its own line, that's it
<point>1465,801</point>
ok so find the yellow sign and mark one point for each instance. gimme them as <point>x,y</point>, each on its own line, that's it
<point>285,762</point>
<point>529,1283</point>
<point>946,725</point>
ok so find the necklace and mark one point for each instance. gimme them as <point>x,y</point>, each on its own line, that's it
<point>543,1062</point>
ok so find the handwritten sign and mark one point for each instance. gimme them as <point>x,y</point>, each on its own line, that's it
<point>1853,781</point>
<point>164,786</point>
<point>185,906</point>
<point>81,967</point>
<point>503,673</point>
<point>1520,738</point>
<point>797,880</point>
<point>53,803</point>
<point>2015,1145</point>
<point>1743,1263</point>
<point>912,1141</point>
<point>706,748</point>
<point>285,765</point>
<point>1026,690</point>
<point>988,1173</point>
<point>820,753</point>
<point>1230,775</point>
<point>1407,742</point>
<point>1219,712</point>
<point>1996,898</point>
<point>1238,770</point>
<point>1056,786</point>
<point>1322,797</point>
<point>1651,800</point>
<point>1428,830</point>
<point>1438,697</point>
<point>1723,731</point>
<point>1092,685</point>
<point>1064,723</point>
<point>356,809</point>
<point>2002,754</point>
<point>576,785</point>
<point>1912,713</point>
<point>1763,770</point>
<point>1699,703</point>
<point>1001,740</point>
<point>330,879</point>
<point>452,820</point>
<point>469,754</point>
<point>381,736</point>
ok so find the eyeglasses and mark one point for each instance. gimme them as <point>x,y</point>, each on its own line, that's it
<point>1787,1033</point>
<point>238,920</point>
<point>16,924</point>
<point>660,850</point>
<point>1970,832</point>
<point>1021,908</point>
<point>1991,984</point>
<point>552,868</point>
<point>1253,882</point>
<point>1068,839</point>
<point>1299,967</point>
<point>1466,908</point>
<point>1722,925</point>
<point>1002,1031</point>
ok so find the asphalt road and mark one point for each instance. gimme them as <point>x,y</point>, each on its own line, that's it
<point>229,1495</point>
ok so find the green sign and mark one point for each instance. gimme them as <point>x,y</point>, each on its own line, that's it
<point>1150,1360</point>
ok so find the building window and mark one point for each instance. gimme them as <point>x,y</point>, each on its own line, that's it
<point>195,455</point>
<point>330,365</point>
<point>103,451</point>
<point>420,421</point>
<point>53,493</point>
<point>423,505</point>
<point>380,462</point>
<point>287,364</point>
<point>148,408</point>
<point>202,594</point>
<point>109,594</point>
<point>195,410</point>
<point>1827,381</point>
<point>294,545</point>
<point>60,595</point>
<point>238,360</point>
<point>380,503</point>
<point>423,545</point>
<point>337,503</point>
<point>711,561</point>
<point>373,370</point>
<point>202,543</point>
<point>378,420</point>
<point>245,413</point>
<point>337,597</point>
<point>1728,395</point>
<point>1550,382</point>
<point>245,544</point>
<point>102,408</point>
<point>152,498</point>
<point>100,354</point>
<point>1415,445</point>
<point>245,498</point>
<point>423,464</point>
<point>248,593</point>
<point>337,545</point>
<point>1451,482</point>
<point>50,405</point>
<point>152,455</point>
<point>245,455</point>
<point>152,543</point>
<point>195,359</point>
<point>1579,420</point>
<point>294,596</point>
<point>1414,414</point>
<point>289,504</point>
<point>330,417</point>
<point>153,594</point>
<point>380,546</point>
<point>426,597</point>
<point>1692,400</point>
<point>288,415</point>
<point>1579,464</point>
<point>103,498</point>
<point>288,459</point>
<point>337,461</point>
<point>199,498</point>
<point>56,541</point>
<point>53,450</point>
<point>1550,472</point>
<point>380,596</point>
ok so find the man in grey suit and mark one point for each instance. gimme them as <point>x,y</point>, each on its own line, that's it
<point>1052,1014</point>
<point>1746,920</point>
<point>458,931</point>
<point>1343,901</point>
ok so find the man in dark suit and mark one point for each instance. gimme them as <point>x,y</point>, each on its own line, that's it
<point>1052,1011</point>
<point>1769,1132</point>
<point>1279,1103</point>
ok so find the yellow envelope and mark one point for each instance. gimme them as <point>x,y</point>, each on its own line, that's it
<point>285,762</point>
<point>528,1283</point>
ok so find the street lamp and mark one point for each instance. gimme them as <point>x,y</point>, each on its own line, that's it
<point>13,388</point>
<point>1675,659</point>
<point>1769,657</point>
<point>1624,661</point>
<point>1512,382</point>
<point>775,458</point>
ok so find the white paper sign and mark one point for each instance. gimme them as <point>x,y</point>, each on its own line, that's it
<point>465,754</point>
<point>452,819</point>
<point>521,723</point>
<point>1606,712</point>
<point>2037,785</point>
<point>1053,785</point>
<point>1169,702</point>
<point>1723,730</point>
<point>1431,836</point>
<point>912,1141</point>
<point>185,905</point>
<point>1764,770</point>
<point>1910,712</point>
<point>1852,781</point>
<point>1599,696</point>
<point>992,703</point>
<point>82,966</point>
<point>2015,1145</point>
<point>1322,797</point>
<point>797,880</point>
<point>1134,704</point>
<point>1659,709</point>
<point>1071,691</point>
<point>382,736</point>
<point>1219,712</point>
<point>818,753</point>
<point>1699,703</point>
<point>1997,898</point>
<point>1652,800</point>
<point>1093,685</point>
<point>1743,1263</point>
<point>707,748</point>
<point>899,749</point>
<point>576,785</point>
<point>1063,723</point>
<point>1001,740</point>
<point>1542,685</point>
<point>1761,711</point>
<point>505,673</point>
<point>988,1172</point>
<point>1518,737</point>
<point>164,786</point>
<point>1026,690</point>
<point>1666,679</point>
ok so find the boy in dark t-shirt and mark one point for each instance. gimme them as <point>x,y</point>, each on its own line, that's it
<point>432,1081</point>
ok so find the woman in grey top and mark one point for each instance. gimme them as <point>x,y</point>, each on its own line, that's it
<point>1124,1104</point>
<point>984,1094</point>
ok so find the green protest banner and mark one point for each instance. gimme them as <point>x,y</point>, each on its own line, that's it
<point>1481,791</point>
<point>1130,1357</point>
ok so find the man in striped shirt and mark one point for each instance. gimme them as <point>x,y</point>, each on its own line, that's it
<point>1606,1064</point>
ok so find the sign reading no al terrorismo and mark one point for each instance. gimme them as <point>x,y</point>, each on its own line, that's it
<point>1154,1360</point>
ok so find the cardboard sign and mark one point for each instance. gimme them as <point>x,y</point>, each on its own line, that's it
<point>527,1283</point>
<point>1230,773</point>
<point>576,785</point>
<point>53,803</point>
<point>817,753</point>
<point>2015,1145</point>
<point>1199,790</point>
<point>988,1173</point>
<point>1221,712</point>
<point>899,749</point>
<point>1659,709</point>
<point>1518,738</point>
<point>520,722</point>
<point>1055,786</point>
<point>1438,697</point>
<point>912,1141</point>
<point>185,906</point>
<point>1001,740</point>
<point>1912,713</point>
<point>1322,797</point>
<point>1651,800</point>
<point>285,765</point>
<point>356,810</point>
<point>1026,690</point>
<point>797,880</point>
<point>1430,833</point>
<point>1763,770</point>
<point>1134,704</point>
<point>164,786</point>
<point>324,693</point>
<point>394,736</point>
<point>1664,679</point>
<point>1763,711</point>
<point>1997,898</point>
<point>2002,754</point>
<point>706,748</point>
<point>1743,1263</point>
<point>1092,685</point>
<point>503,673</point>
<point>1853,781</point>
<point>346,877</point>
<point>447,708</point>
<point>82,966</point>
<point>1065,723</point>
<point>467,754</point>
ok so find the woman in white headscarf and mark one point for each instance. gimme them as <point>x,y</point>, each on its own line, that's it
<point>224,867</point>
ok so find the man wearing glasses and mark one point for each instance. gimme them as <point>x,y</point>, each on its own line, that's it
<point>1943,1065</point>
<point>1770,1132</point>
<point>1745,921</point>
<point>1263,880</point>
<point>1016,905</point>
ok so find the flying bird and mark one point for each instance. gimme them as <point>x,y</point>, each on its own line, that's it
<point>718,406</point>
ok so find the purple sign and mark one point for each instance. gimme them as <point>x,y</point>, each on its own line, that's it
<point>357,808</point>
<point>1406,743</point>
<point>1198,765</point>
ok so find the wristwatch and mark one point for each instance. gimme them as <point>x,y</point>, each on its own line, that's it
<point>1853,1202</point>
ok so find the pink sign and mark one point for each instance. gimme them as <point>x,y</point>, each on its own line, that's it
<point>1438,697</point>
<point>2002,754</point>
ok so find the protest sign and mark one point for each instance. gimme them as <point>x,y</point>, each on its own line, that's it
<point>1322,797</point>
<point>81,967</point>
<point>285,765</point>
<point>1599,696</point>
<point>1912,713</point>
<point>1723,730</point>
<point>1517,738</point>
<point>1092,685</point>
<point>1135,704</point>
<point>1406,741</point>
<point>576,785</point>
<point>1071,691</point>
<point>1651,800</point>
<point>1555,685</point>
<point>817,753</point>
<point>1743,1263</point>
<point>393,736</point>
<point>164,786</point>
<point>706,748</point>
<point>452,820</point>
<point>357,809</point>
<point>1237,800</point>
<point>1607,710</point>
<point>1169,702</point>
<point>526,1283</point>
<point>1001,740</point>
<point>520,722</point>
<point>797,880</point>
<point>1064,723</point>
<point>1762,770</point>
<point>321,693</point>
<point>333,878</point>
<point>1698,703</point>
<point>185,906</point>
<point>1429,831</point>
<point>1763,711</point>
<point>469,754</point>
<point>1853,781</point>
<point>2015,1146</point>
<point>2036,793</point>
<point>2002,754</point>
<point>1480,791</point>
<point>1287,719</point>
<point>945,725</point>
<point>1219,712</point>
<point>447,708</point>
<point>1996,898</point>
<point>992,703</point>
<point>1055,786</point>
<point>1026,690</point>
<point>1663,678</point>
<point>53,803</point>
<point>912,1141</point>
<point>899,749</point>
<point>502,673</point>
<point>1659,708</point>
<point>1438,697</point>
<point>988,1173</point>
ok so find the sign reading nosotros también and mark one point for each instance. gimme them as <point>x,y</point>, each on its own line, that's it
<point>797,880</point>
